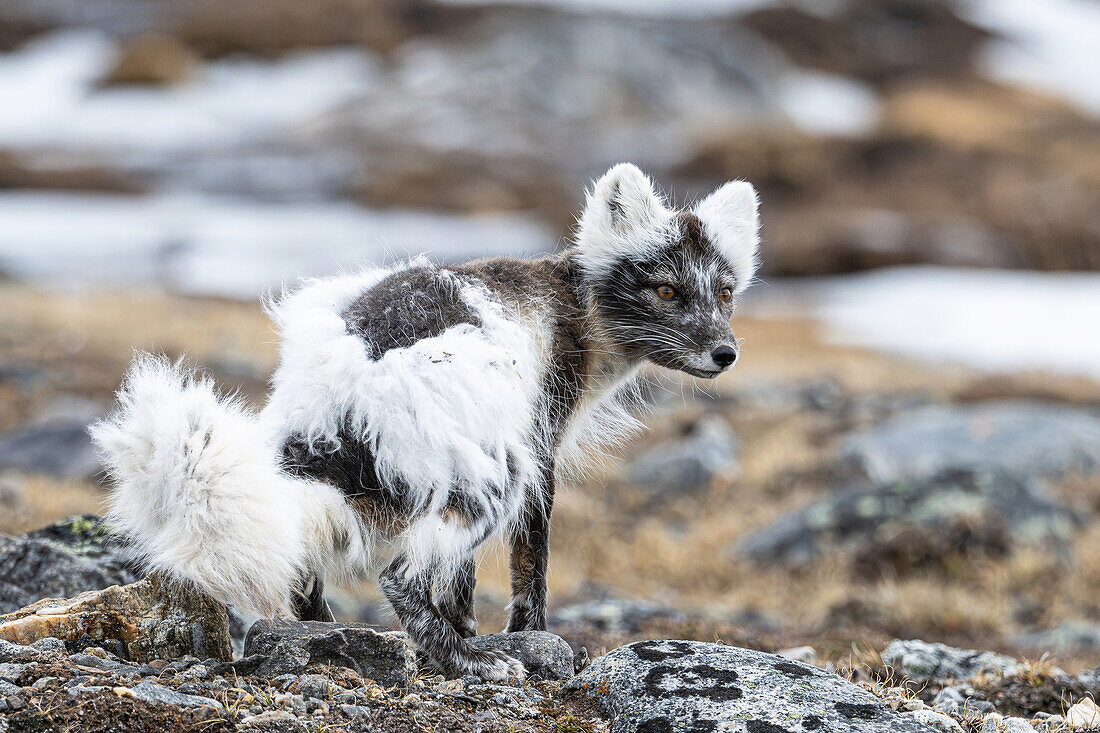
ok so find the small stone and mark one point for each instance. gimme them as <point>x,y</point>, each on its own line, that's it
<point>44,682</point>
<point>195,672</point>
<point>1048,723</point>
<point>10,652</point>
<point>948,700</point>
<point>1017,725</point>
<point>936,721</point>
<point>11,672</point>
<point>15,702</point>
<point>107,665</point>
<point>7,688</point>
<point>411,699</point>
<point>150,692</point>
<point>1083,714</point>
<point>49,644</point>
<point>352,710</point>
<point>272,720</point>
<point>314,685</point>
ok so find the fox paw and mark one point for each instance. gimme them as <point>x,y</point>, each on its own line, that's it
<point>496,666</point>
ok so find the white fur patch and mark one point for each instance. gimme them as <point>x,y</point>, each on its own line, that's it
<point>446,412</point>
<point>730,217</point>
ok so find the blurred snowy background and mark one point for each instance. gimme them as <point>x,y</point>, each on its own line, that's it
<point>929,299</point>
<point>223,148</point>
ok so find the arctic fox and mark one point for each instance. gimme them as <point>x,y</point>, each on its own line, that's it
<point>417,410</point>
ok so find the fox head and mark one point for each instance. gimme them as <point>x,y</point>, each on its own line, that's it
<point>664,283</point>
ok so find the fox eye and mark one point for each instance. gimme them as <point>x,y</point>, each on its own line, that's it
<point>725,295</point>
<point>666,292</point>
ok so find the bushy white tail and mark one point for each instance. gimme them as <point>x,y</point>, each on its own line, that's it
<point>198,491</point>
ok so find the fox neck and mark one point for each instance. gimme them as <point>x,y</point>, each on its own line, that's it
<point>607,363</point>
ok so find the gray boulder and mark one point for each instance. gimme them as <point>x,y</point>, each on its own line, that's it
<point>914,523</point>
<point>55,440</point>
<point>613,615</point>
<point>1024,438</point>
<point>1072,636</point>
<point>544,654</point>
<point>274,647</point>
<point>921,660</point>
<point>61,560</point>
<point>688,463</point>
<point>662,685</point>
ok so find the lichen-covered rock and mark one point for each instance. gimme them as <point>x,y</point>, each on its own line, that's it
<point>60,560</point>
<point>921,660</point>
<point>544,654</point>
<point>150,618</point>
<point>274,647</point>
<point>661,685</point>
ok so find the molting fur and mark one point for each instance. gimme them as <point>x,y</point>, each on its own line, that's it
<point>417,410</point>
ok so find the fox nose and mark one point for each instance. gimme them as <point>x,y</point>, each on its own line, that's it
<point>724,355</point>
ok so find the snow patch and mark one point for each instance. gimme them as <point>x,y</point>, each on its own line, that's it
<point>996,320</point>
<point>220,246</point>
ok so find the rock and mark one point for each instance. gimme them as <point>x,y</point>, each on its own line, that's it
<point>914,524</point>
<point>153,59</point>
<point>1045,723</point>
<point>151,692</point>
<point>13,671</point>
<point>1024,438</point>
<point>1083,714</point>
<point>935,721</point>
<point>616,616</point>
<point>314,685</point>
<point>274,721</point>
<point>10,652</point>
<point>921,660</point>
<point>274,647</point>
<point>1072,636</point>
<point>664,685</point>
<point>150,618</point>
<point>60,448</point>
<point>544,654</point>
<point>61,560</point>
<point>689,463</point>
<point>7,688</point>
<point>948,700</point>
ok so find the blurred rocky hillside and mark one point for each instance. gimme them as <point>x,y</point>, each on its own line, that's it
<point>166,136</point>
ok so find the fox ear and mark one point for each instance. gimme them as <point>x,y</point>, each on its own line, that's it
<point>731,219</point>
<point>623,215</point>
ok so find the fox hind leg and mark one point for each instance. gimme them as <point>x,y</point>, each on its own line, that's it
<point>410,594</point>
<point>455,599</point>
